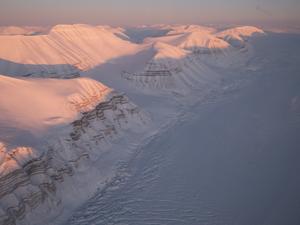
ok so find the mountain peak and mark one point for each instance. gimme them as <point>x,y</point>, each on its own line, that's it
<point>164,50</point>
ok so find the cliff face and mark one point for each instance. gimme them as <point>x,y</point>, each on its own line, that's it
<point>31,177</point>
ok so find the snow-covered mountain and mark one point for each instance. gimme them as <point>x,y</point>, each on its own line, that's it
<point>64,51</point>
<point>179,29</point>
<point>172,68</point>
<point>27,30</point>
<point>50,130</point>
<point>182,59</point>
<point>53,132</point>
<point>68,49</point>
<point>238,36</point>
<point>195,41</point>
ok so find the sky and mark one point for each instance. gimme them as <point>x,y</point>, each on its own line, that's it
<point>138,12</point>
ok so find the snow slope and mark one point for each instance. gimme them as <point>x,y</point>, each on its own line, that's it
<point>118,31</point>
<point>51,131</point>
<point>15,30</point>
<point>35,104</point>
<point>81,46</point>
<point>195,41</point>
<point>172,68</point>
<point>179,29</point>
<point>238,36</point>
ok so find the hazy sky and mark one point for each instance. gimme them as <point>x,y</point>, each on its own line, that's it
<point>132,12</point>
